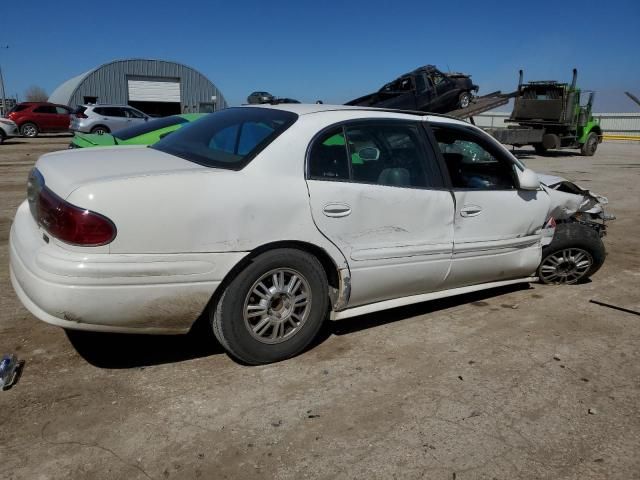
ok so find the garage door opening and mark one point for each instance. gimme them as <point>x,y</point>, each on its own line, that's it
<point>157,109</point>
<point>155,96</point>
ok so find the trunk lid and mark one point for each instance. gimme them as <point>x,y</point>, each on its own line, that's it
<point>67,170</point>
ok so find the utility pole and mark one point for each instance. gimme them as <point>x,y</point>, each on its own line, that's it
<point>2,95</point>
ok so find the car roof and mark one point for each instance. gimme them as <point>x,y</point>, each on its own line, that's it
<point>313,108</point>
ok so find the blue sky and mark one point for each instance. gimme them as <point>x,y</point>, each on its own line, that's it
<point>330,50</point>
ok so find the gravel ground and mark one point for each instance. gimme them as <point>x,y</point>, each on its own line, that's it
<point>494,385</point>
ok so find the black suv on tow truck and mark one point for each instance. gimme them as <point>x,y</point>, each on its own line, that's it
<point>426,89</point>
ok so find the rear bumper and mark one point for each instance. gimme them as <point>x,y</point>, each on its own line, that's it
<point>112,293</point>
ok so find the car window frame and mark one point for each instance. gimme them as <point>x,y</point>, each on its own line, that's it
<point>437,181</point>
<point>494,148</point>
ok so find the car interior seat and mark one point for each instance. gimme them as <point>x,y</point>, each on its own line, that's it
<point>395,176</point>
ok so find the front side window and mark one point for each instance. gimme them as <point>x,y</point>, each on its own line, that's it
<point>229,138</point>
<point>473,163</point>
<point>131,113</point>
<point>383,154</point>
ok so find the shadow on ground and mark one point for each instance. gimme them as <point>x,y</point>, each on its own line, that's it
<point>119,351</point>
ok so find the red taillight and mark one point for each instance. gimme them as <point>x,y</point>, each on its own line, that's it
<point>72,224</point>
<point>81,115</point>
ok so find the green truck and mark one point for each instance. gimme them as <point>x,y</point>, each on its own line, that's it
<point>551,115</point>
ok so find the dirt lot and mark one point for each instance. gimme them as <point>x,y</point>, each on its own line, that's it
<point>492,385</point>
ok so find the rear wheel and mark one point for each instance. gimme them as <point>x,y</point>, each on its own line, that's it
<point>2,136</point>
<point>464,100</point>
<point>273,309</point>
<point>29,130</point>
<point>540,148</point>
<point>100,130</point>
<point>576,253</point>
<point>589,147</point>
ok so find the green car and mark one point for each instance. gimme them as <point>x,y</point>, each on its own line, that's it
<point>147,133</point>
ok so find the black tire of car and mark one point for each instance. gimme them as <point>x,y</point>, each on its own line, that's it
<point>29,130</point>
<point>227,319</point>
<point>99,129</point>
<point>540,149</point>
<point>2,137</point>
<point>464,100</point>
<point>576,235</point>
<point>589,147</point>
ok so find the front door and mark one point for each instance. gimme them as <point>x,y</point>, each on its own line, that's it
<point>376,192</point>
<point>497,226</point>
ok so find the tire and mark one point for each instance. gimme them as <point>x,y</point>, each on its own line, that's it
<point>590,146</point>
<point>464,100</point>
<point>540,149</point>
<point>575,253</point>
<point>2,136</point>
<point>29,130</point>
<point>289,323</point>
<point>100,129</point>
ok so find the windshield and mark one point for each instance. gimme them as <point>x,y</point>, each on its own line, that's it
<point>229,138</point>
<point>149,126</point>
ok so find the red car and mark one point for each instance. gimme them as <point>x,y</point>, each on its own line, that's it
<point>40,117</point>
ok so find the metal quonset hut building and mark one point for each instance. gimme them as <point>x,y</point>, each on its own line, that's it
<point>156,87</point>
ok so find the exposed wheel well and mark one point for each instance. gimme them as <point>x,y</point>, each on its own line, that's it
<point>597,130</point>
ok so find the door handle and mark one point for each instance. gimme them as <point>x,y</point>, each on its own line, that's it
<point>336,210</point>
<point>470,211</point>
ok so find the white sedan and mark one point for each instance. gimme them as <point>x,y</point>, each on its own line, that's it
<point>271,219</point>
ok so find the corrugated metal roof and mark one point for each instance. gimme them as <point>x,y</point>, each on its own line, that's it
<point>64,92</point>
<point>108,82</point>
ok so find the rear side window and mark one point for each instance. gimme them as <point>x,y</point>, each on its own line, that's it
<point>229,138</point>
<point>45,109</point>
<point>18,108</point>
<point>384,154</point>
<point>62,111</point>
<point>150,126</point>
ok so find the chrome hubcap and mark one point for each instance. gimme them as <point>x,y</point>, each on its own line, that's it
<point>29,130</point>
<point>566,266</point>
<point>277,306</point>
<point>465,101</point>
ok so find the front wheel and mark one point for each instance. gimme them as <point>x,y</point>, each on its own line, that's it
<point>273,309</point>
<point>575,253</point>
<point>590,146</point>
<point>464,100</point>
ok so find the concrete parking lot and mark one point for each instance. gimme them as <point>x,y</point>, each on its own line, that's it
<point>522,382</point>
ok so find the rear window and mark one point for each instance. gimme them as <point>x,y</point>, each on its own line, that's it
<point>229,138</point>
<point>18,108</point>
<point>150,126</point>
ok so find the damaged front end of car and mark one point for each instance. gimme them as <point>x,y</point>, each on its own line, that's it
<point>570,203</point>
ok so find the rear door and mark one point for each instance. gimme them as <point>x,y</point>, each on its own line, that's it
<point>497,231</point>
<point>46,118</point>
<point>377,193</point>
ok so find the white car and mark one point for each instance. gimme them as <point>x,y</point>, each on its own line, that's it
<point>8,128</point>
<point>271,219</point>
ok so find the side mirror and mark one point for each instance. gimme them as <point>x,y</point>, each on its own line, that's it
<point>369,153</point>
<point>528,179</point>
